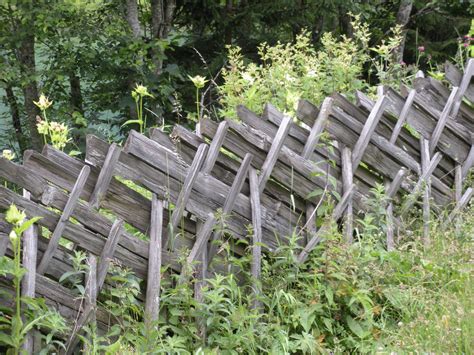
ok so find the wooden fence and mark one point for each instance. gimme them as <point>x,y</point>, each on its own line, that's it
<point>261,171</point>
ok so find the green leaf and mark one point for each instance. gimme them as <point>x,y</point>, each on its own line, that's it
<point>24,226</point>
<point>132,121</point>
<point>355,327</point>
<point>6,339</point>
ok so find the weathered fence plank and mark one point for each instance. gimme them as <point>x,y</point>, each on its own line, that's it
<point>152,303</point>
<point>105,176</point>
<point>64,218</point>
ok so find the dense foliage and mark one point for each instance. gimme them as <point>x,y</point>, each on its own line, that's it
<point>71,67</point>
<point>88,56</point>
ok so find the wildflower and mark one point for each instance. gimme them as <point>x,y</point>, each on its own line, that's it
<point>13,237</point>
<point>8,154</point>
<point>43,127</point>
<point>15,216</point>
<point>43,103</point>
<point>198,81</point>
<point>421,49</point>
<point>403,63</point>
<point>466,44</point>
<point>248,78</point>
<point>140,91</point>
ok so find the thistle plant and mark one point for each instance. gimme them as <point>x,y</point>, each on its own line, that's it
<point>138,94</point>
<point>199,82</point>
<point>43,104</point>
<point>54,132</point>
<point>13,267</point>
<point>8,154</point>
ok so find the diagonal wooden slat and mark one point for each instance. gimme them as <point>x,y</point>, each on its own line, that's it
<point>318,127</point>
<point>442,121</point>
<point>230,200</point>
<point>185,192</point>
<point>403,116</point>
<point>90,304</point>
<point>336,214</point>
<point>215,147</point>
<point>105,176</point>
<point>64,218</point>
<point>418,187</point>
<point>108,251</point>
<point>466,80</point>
<point>369,128</point>
<point>272,156</point>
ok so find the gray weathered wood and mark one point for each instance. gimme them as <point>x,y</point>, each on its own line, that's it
<point>68,209</point>
<point>187,188</point>
<point>230,200</point>
<point>468,163</point>
<point>215,147</point>
<point>318,128</point>
<point>90,304</point>
<point>108,252</point>
<point>390,227</point>
<point>28,283</point>
<point>466,197</point>
<point>369,127</point>
<point>152,303</point>
<point>202,238</point>
<point>105,176</point>
<point>455,76</point>
<point>458,182</point>
<point>257,236</point>
<point>394,186</point>
<point>442,121</point>
<point>336,214</point>
<point>425,160</point>
<point>419,185</point>
<point>347,182</point>
<point>153,160</point>
<point>424,123</point>
<point>466,80</point>
<point>403,116</point>
<point>272,156</point>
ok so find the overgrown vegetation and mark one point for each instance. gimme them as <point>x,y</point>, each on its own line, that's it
<point>345,298</point>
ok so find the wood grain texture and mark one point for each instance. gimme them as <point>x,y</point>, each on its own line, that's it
<point>105,176</point>
<point>64,218</point>
<point>152,303</point>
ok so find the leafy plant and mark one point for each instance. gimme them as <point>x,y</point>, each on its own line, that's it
<point>19,323</point>
<point>138,94</point>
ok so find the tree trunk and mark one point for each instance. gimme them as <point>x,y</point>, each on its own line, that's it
<point>403,16</point>
<point>76,93</point>
<point>132,18</point>
<point>26,57</point>
<point>15,113</point>
<point>229,9</point>
<point>162,13</point>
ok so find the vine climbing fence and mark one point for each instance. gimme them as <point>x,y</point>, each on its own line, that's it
<point>260,171</point>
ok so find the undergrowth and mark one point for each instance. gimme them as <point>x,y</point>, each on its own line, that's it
<point>345,298</point>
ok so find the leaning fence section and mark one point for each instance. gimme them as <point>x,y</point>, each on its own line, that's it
<point>272,172</point>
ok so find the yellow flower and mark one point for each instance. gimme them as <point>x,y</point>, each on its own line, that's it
<point>198,81</point>
<point>140,91</point>
<point>15,216</point>
<point>8,154</point>
<point>43,103</point>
